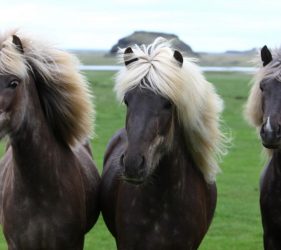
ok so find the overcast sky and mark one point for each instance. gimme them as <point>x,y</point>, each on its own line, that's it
<point>206,25</point>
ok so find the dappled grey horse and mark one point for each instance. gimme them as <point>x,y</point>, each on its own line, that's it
<point>49,183</point>
<point>158,184</point>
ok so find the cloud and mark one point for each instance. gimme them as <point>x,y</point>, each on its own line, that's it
<point>207,26</point>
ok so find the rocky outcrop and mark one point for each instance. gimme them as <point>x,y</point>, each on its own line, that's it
<point>143,37</point>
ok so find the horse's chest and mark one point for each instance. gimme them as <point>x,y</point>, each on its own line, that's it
<point>28,226</point>
<point>38,232</point>
<point>166,231</point>
<point>154,221</point>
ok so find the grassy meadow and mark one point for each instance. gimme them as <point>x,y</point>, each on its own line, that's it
<point>236,224</point>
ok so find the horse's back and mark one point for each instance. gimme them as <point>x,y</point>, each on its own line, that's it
<point>111,178</point>
<point>91,183</point>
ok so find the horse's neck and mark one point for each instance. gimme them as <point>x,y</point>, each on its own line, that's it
<point>36,154</point>
<point>276,162</point>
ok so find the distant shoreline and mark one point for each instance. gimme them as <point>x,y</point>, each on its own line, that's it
<point>203,68</point>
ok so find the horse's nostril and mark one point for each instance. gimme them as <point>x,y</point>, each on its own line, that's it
<point>141,166</point>
<point>142,161</point>
<point>278,134</point>
<point>122,159</point>
<point>262,132</point>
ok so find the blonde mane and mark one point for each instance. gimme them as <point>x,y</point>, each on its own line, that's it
<point>67,105</point>
<point>197,103</point>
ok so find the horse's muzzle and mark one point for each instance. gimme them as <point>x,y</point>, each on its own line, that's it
<point>134,168</point>
<point>271,138</point>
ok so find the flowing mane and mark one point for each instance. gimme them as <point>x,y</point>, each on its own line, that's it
<point>197,103</point>
<point>64,92</point>
<point>253,109</point>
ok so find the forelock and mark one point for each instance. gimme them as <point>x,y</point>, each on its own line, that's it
<point>11,60</point>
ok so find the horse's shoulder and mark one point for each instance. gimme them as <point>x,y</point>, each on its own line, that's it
<point>85,158</point>
<point>118,139</point>
<point>5,170</point>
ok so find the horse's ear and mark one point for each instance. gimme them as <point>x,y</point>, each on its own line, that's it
<point>178,56</point>
<point>128,51</point>
<point>266,56</point>
<point>17,42</point>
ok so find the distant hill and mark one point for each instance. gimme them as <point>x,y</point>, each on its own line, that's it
<point>245,52</point>
<point>144,37</point>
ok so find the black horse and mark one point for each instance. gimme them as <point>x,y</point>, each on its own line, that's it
<point>153,193</point>
<point>264,111</point>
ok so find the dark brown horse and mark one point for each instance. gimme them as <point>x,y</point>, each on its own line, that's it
<point>264,112</point>
<point>49,183</point>
<point>158,189</point>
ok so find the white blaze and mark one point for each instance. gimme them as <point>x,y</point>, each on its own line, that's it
<point>268,125</point>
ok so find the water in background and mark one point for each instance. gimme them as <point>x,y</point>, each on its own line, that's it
<point>203,68</point>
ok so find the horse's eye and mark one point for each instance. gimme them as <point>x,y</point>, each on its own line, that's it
<point>13,84</point>
<point>167,105</point>
<point>126,102</point>
<point>262,85</point>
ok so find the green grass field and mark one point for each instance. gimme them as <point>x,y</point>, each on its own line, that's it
<point>236,224</point>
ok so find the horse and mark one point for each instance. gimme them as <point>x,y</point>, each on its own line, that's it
<point>158,186</point>
<point>49,183</point>
<point>263,112</point>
